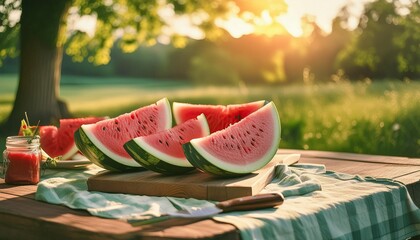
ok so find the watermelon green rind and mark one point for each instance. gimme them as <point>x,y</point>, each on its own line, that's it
<point>201,163</point>
<point>156,160</point>
<point>99,154</point>
<point>202,159</point>
<point>182,162</point>
<point>95,155</point>
<point>153,163</point>
<point>104,151</point>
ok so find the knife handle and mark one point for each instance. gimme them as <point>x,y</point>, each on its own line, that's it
<point>258,201</point>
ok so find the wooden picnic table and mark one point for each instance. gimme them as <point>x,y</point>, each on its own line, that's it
<point>22,217</point>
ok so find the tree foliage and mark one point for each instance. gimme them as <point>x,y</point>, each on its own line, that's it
<point>9,28</point>
<point>131,23</point>
<point>387,42</point>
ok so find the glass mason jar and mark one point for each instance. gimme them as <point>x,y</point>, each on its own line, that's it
<point>22,160</point>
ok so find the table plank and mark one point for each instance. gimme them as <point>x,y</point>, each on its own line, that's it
<point>342,156</point>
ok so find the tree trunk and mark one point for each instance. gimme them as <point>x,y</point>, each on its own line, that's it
<point>41,40</point>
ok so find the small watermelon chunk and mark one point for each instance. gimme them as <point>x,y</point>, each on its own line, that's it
<point>239,149</point>
<point>60,141</point>
<point>103,142</point>
<point>162,152</point>
<point>218,116</point>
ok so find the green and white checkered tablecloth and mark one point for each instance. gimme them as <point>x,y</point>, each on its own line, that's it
<point>319,204</point>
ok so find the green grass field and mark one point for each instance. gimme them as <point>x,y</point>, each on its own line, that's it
<point>373,118</point>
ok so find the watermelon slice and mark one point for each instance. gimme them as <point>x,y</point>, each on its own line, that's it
<point>240,148</point>
<point>102,143</point>
<point>162,152</point>
<point>58,142</point>
<point>218,116</point>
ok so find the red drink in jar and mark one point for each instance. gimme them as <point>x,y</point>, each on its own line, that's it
<point>22,160</point>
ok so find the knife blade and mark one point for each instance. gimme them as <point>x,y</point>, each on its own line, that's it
<point>247,203</point>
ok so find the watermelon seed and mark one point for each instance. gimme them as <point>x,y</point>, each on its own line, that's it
<point>224,137</point>
<point>167,144</point>
<point>103,128</point>
<point>243,141</point>
<point>150,132</point>
<point>182,129</point>
<point>212,141</point>
<point>257,134</point>
<point>261,130</point>
<point>180,137</point>
<point>143,127</point>
<point>231,145</point>
<point>231,136</point>
<point>116,122</point>
<point>118,129</point>
<point>160,141</point>
<point>253,144</point>
<point>254,126</point>
<point>248,132</point>
<point>252,139</point>
<point>239,147</point>
<point>151,120</point>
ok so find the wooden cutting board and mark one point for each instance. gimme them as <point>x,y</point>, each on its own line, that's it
<point>194,185</point>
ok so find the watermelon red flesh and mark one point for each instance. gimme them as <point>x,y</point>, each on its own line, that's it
<point>218,116</point>
<point>162,152</point>
<point>241,148</point>
<point>60,141</point>
<point>110,135</point>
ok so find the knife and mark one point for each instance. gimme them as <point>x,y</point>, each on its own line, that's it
<point>258,201</point>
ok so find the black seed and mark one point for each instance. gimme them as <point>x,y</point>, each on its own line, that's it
<point>231,136</point>
<point>118,129</point>
<point>253,144</point>
<point>254,126</point>
<point>116,122</point>
<point>182,130</point>
<point>239,147</point>
<point>167,144</point>
<point>261,130</point>
<point>143,127</point>
<point>243,141</point>
<point>231,145</point>
<point>224,137</point>
<point>103,128</point>
<point>257,134</point>
<point>248,132</point>
<point>252,139</point>
<point>160,141</point>
<point>180,137</point>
